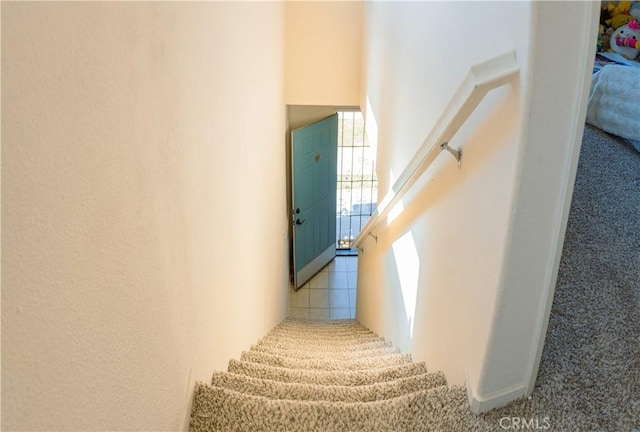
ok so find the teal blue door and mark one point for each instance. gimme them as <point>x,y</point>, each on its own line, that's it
<point>314,154</point>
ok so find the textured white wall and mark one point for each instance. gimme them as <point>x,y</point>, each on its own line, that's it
<point>482,240</point>
<point>455,231</point>
<point>323,47</point>
<point>143,205</point>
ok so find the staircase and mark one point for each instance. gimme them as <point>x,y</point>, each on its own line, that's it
<point>326,376</point>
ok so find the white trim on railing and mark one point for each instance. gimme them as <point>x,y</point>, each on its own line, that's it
<point>481,78</point>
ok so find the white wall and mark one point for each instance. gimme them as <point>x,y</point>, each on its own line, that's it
<point>323,47</point>
<point>461,279</point>
<point>138,254</point>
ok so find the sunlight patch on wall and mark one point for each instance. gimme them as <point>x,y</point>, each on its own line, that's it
<point>408,265</point>
<point>371,126</point>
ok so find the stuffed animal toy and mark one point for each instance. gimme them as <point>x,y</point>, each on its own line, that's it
<point>635,11</point>
<point>604,36</point>
<point>619,14</point>
<point>626,40</point>
<point>600,41</point>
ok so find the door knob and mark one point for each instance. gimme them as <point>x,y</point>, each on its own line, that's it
<point>300,222</point>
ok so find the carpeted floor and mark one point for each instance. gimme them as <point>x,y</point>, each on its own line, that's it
<point>592,353</point>
<point>589,378</point>
<point>338,376</point>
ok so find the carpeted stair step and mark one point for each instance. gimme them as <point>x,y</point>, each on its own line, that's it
<point>346,338</point>
<point>336,393</point>
<point>324,363</point>
<point>295,352</point>
<point>321,332</point>
<point>308,324</point>
<point>327,344</point>
<point>321,336</point>
<point>218,409</point>
<point>320,347</point>
<point>326,376</point>
<point>354,378</point>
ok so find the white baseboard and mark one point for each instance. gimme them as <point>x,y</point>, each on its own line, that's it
<point>185,418</point>
<point>480,404</point>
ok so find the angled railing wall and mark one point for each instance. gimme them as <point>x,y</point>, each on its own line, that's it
<point>481,79</point>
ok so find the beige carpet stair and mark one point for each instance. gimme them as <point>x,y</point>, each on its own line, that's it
<point>325,376</point>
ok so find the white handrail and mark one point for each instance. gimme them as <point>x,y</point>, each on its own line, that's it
<point>481,78</point>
